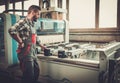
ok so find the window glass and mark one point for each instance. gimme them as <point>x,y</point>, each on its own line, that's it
<point>11,12</point>
<point>27,4</point>
<point>108,13</point>
<point>18,5</point>
<point>18,13</point>
<point>25,13</point>
<point>10,6</point>
<point>2,8</point>
<point>82,13</point>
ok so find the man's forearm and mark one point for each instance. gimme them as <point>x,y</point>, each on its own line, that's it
<point>17,38</point>
<point>42,46</point>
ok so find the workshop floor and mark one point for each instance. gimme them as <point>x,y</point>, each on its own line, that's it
<point>13,74</point>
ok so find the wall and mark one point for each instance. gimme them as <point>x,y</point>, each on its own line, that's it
<point>95,36</point>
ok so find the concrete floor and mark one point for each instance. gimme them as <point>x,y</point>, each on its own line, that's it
<point>13,74</point>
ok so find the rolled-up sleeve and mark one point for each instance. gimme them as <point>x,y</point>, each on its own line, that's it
<point>12,30</point>
<point>15,28</point>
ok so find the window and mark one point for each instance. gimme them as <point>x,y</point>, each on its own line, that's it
<point>10,6</point>
<point>108,14</point>
<point>27,4</point>
<point>2,8</point>
<point>18,6</point>
<point>82,14</point>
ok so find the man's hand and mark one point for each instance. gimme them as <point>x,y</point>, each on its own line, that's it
<point>21,45</point>
<point>42,47</point>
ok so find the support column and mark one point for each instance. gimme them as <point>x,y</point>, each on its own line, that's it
<point>7,2</point>
<point>64,7</point>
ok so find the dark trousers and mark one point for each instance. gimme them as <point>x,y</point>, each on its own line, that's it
<point>30,70</point>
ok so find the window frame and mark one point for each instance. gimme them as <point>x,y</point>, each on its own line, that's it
<point>97,29</point>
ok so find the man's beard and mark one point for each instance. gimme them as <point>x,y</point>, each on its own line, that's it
<point>34,18</point>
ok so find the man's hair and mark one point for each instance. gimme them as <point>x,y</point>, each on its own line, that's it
<point>33,8</point>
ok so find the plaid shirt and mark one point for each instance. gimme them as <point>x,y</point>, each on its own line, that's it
<point>24,28</point>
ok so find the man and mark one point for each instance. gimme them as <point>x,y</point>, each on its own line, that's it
<point>24,33</point>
